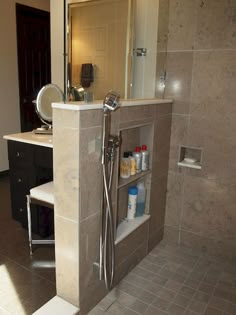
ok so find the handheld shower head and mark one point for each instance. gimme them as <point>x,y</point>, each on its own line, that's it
<point>111,101</point>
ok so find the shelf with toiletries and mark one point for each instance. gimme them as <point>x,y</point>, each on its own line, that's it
<point>126,181</point>
<point>129,219</point>
<point>136,146</point>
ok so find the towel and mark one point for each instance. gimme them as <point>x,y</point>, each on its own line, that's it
<point>86,74</point>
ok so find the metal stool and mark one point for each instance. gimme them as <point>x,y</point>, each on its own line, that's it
<point>42,195</point>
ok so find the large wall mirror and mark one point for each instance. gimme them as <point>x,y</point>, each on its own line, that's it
<point>111,44</point>
<point>100,46</point>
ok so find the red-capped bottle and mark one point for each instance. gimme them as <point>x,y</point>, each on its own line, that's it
<point>138,159</point>
<point>145,158</point>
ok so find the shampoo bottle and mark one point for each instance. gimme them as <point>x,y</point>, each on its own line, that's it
<point>140,207</point>
<point>125,166</point>
<point>132,202</point>
<point>145,158</point>
<point>138,159</point>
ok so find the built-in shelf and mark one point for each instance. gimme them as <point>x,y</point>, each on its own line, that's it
<point>195,165</point>
<point>190,157</point>
<point>126,227</point>
<point>123,182</point>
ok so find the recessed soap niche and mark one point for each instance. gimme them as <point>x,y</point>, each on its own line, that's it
<point>190,157</point>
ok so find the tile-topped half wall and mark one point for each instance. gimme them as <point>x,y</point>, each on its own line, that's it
<point>201,78</point>
<point>78,194</point>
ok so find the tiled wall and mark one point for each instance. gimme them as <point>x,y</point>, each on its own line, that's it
<point>201,78</point>
<point>78,182</point>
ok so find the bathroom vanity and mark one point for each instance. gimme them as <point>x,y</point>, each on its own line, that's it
<point>30,162</point>
<point>78,193</point>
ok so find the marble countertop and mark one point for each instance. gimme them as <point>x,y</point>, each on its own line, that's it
<point>99,104</point>
<point>31,138</point>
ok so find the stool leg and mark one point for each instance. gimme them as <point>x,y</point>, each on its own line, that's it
<point>29,224</point>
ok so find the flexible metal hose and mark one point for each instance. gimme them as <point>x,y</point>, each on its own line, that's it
<point>108,229</point>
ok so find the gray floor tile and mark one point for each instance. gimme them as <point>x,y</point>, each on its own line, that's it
<point>175,309</point>
<point>197,306</point>
<point>182,300</point>
<point>161,304</point>
<point>151,310</point>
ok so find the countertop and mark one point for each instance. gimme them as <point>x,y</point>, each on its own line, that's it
<point>81,105</point>
<point>31,138</point>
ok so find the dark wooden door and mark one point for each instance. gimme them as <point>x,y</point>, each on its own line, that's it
<point>34,60</point>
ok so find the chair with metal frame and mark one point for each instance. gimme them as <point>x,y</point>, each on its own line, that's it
<point>41,195</point>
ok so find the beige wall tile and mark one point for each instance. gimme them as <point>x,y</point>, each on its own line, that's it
<point>65,161</point>
<point>164,109</point>
<point>91,118</point>
<point>155,238</point>
<point>66,118</point>
<point>182,24</point>
<point>91,288</point>
<point>215,24</point>
<point>131,261</point>
<point>208,212</point>
<point>161,145</point>
<point>220,248</point>
<point>162,35</point>
<point>174,200</point>
<point>171,234</point>
<point>90,171</point>
<point>179,129</point>
<point>214,74</point>
<point>179,80</point>
<point>158,203</point>
<point>201,55</point>
<point>131,243</point>
<point>67,259</point>
<point>137,113</point>
<point>203,207</point>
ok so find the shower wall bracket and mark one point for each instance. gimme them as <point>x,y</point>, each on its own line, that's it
<point>140,52</point>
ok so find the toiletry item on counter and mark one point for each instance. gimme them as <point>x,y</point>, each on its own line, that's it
<point>125,166</point>
<point>132,202</point>
<point>138,159</point>
<point>145,158</point>
<point>132,164</point>
<point>140,207</point>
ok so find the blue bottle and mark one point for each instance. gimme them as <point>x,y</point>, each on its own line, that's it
<point>140,207</point>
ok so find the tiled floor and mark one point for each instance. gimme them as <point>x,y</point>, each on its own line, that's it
<point>174,280</point>
<point>25,284</point>
<point>170,280</point>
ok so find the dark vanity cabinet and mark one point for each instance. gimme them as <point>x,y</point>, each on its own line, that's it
<point>30,165</point>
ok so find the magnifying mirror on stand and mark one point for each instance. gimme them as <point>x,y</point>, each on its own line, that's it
<point>48,94</point>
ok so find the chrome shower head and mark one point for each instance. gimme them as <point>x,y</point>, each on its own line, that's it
<point>111,101</point>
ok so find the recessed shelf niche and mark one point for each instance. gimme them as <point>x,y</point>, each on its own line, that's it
<point>132,137</point>
<point>190,157</point>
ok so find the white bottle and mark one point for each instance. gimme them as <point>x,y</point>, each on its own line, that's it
<point>145,158</point>
<point>140,207</point>
<point>132,202</point>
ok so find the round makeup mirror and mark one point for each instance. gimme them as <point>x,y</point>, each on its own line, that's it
<point>43,105</point>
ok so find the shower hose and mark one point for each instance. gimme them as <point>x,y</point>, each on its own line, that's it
<point>108,244</point>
